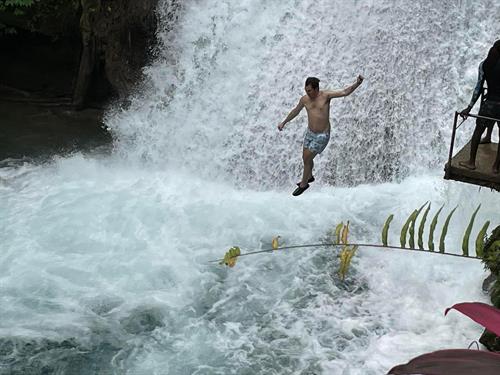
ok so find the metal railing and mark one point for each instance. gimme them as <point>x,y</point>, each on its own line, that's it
<point>455,127</point>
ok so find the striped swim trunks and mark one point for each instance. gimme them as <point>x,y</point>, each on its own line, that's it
<point>316,142</point>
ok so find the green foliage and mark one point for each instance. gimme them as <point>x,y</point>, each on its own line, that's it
<point>347,252</point>
<point>20,3</point>
<point>15,6</point>
<point>385,229</point>
<point>412,226</point>
<point>480,240</point>
<point>495,294</point>
<point>15,3</point>
<point>492,258</point>
<point>433,228</point>
<point>421,228</point>
<point>338,229</point>
<point>345,233</point>
<point>231,256</point>
<point>404,230</point>
<point>465,241</point>
<point>339,238</point>
<point>445,230</point>
<point>275,243</point>
<point>494,236</point>
<point>346,256</point>
<point>48,17</point>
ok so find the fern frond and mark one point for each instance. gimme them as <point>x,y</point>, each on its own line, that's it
<point>412,226</point>
<point>465,241</point>
<point>480,240</point>
<point>433,227</point>
<point>385,229</point>
<point>404,230</point>
<point>421,228</point>
<point>445,230</point>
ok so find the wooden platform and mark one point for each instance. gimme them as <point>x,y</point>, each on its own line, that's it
<point>483,174</point>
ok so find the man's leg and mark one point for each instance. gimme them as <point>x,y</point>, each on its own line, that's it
<point>496,165</point>
<point>481,124</point>
<point>307,157</point>
<point>487,137</point>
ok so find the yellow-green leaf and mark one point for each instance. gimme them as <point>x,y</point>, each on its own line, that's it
<point>345,233</point>
<point>338,230</point>
<point>465,240</point>
<point>385,229</point>
<point>444,231</point>
<point>480,240</point>
<point>404,230</point>
<point>275,243</point>
<point>346,255</point>
<point>433,227</point>
<point>231,256</point>
<point>421,228</point>
<point>412,226</point>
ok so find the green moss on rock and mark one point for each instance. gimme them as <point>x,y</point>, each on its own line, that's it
<point>491,261</point>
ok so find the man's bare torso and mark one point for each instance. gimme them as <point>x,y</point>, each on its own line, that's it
<point>318,112</point>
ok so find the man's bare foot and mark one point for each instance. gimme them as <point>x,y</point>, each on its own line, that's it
<point>485,140</point>
<point>468,165</point>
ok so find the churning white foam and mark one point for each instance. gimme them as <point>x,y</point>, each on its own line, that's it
<point>115,256</point>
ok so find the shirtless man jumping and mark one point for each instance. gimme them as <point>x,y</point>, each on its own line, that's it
<point>317,135</point>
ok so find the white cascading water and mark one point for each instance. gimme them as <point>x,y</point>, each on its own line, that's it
<point>105,262</point>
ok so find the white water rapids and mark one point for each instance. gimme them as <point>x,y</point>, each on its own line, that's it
<point>104,262</point>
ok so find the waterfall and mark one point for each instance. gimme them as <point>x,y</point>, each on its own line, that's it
<point>228,72</point>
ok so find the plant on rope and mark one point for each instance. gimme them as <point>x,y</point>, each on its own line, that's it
<point>231,256</point>
<point>347,252</point>
<point>339,239</point>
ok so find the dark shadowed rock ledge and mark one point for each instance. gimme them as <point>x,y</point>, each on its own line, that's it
<point>35,131</point>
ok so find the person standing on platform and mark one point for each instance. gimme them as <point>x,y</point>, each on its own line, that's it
<point>489,71</point>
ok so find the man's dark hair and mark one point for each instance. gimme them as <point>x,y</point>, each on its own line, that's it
<point>492,58</point>
<point>497,45</point>
<point>313,82</point>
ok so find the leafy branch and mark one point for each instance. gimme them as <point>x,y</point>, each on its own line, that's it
<point>348,250</point>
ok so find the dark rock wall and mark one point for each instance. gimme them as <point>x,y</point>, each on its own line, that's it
<point>88,50</point>
<point>37,65</point>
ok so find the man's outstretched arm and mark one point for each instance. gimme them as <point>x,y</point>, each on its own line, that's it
<point>294,112</point>
<point>345,91</point>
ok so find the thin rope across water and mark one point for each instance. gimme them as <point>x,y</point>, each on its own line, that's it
<point>349,244</point>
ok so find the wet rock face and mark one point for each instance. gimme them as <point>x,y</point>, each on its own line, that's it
<point>490,341</point>
<point>123,31</point>
<point>96,53</point>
